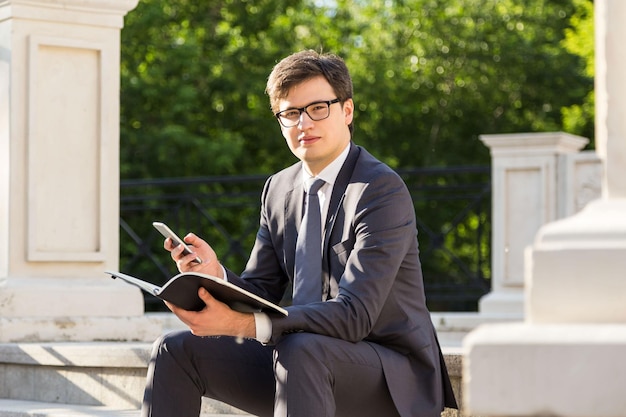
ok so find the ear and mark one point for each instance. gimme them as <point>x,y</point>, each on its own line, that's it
<point>348,111</point>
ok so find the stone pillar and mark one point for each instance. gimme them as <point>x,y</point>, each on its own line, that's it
<point>566,359</point>
<point>525,172</point>
<point>59,173</point>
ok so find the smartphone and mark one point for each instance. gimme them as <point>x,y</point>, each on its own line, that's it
<point>167,232</point>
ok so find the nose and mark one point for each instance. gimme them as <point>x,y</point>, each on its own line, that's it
<point>304,120</point>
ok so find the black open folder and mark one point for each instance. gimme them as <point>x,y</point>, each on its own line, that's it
<point>182,291</point>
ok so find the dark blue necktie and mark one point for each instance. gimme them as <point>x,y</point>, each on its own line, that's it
<point>307,286</point>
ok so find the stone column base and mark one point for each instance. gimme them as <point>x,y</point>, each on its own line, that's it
<point>505,303</point>
<point>577,267</point>
<point>72,310</point>
<point>546,370</point>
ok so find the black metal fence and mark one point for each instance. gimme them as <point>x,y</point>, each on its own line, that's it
<point>453,218</point>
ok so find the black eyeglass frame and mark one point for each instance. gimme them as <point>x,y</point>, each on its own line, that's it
<point>304,110</point>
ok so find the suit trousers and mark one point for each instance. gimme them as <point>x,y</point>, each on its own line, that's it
<point>304,375</point>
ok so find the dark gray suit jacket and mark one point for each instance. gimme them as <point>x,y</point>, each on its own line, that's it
<point>372,276</point>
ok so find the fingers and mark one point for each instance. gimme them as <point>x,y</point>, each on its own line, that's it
<point>205,296</point>
<point>216,319</point>
<point>190,239</point>
<point>201,323</point>
<point>186,262</point>
<point>179,254</point>
<point>168,244</point>
<point>193,240</point>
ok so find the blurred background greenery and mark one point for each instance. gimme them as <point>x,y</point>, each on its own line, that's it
<point>429,77</point>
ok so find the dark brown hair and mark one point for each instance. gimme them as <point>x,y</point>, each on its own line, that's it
<point>303,66</point>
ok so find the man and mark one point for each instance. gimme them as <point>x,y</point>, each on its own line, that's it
<point>358,340</point>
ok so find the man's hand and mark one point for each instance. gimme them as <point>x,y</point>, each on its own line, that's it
<point>216,319</point>
<point>186,263</point>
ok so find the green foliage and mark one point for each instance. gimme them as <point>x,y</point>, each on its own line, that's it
<point>579,40</point>
<point>430,76</point>
<point>192,88</point>
<point>433,75</point>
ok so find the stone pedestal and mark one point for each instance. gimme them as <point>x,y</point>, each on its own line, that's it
<point>527,192</point>
<point>566,359</point>
<point>59,173</point>
<point>546,370</point>
<point>578,267</point>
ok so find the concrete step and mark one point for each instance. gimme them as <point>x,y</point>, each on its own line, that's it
<point>97,377</point>
<point>19,408</point>
<point>103,379</point>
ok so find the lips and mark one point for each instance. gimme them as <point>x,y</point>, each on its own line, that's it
<point>308,140</point>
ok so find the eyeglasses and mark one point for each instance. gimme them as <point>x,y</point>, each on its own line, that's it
<point>317,111</point>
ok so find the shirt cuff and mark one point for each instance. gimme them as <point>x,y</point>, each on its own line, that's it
<point>263,326</point>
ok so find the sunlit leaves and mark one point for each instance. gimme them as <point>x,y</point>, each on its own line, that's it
<point>429,75</point>
<point>579,40</point>
<point>452,70</point>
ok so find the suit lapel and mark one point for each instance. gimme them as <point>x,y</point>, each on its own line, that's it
<point>339,190</point>
<point>294,205</point>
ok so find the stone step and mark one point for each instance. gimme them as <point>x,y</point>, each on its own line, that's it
<point>20,408</point>
<point>105,379</point>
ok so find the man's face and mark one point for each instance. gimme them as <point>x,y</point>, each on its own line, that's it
<point>317,143</point>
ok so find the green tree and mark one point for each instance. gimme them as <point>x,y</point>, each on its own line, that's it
<point>434,74</point>
<point>579,40</point>
<point>192,88</point>
<point>430,76</point>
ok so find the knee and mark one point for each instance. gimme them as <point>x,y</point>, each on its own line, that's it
<point>172,344</point>
<point>299,349</point>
